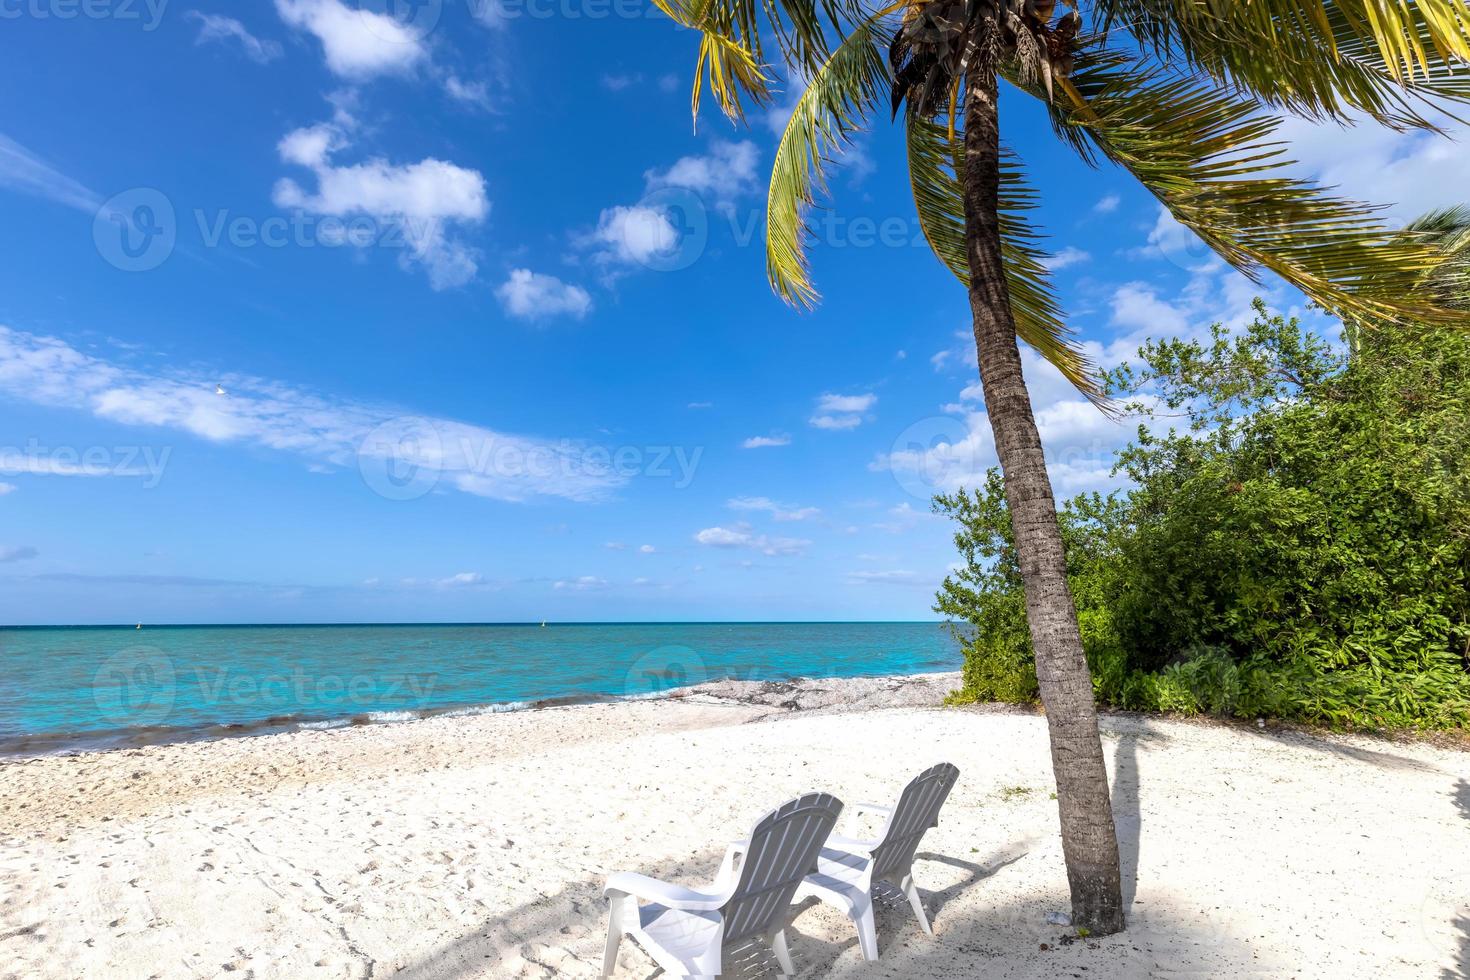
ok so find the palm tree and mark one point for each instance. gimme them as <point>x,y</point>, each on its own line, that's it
<point>1184,94</point>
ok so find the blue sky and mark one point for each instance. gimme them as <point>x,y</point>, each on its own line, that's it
<point>310,313</point>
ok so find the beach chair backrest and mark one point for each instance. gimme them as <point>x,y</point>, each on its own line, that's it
<point>917,811</point>
<point>783,850</point>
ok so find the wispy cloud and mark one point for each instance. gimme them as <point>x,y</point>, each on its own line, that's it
<point>764,442</point>
<point>23,171</point>
<point>741,536</point>
<point>895,577</point>
<point>423,201</point>
<point>213,27</point>
<point>780,512</point>
<point>358,43</point>
<point>1066,257</point>
<point>838,412</point>
<point>534,295</point>
<point>10,554</point>
<point>376,440</point>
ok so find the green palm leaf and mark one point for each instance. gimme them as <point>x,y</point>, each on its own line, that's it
<point>1321,58</point>
<point>1209,156</point>
<point>735,33</point>
<point>834,105</point>
<point>935,165</point>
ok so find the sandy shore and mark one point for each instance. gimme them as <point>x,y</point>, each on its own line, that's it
<point>465,847</point>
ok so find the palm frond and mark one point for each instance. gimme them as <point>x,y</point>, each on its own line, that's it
<point>1318,58</point>
<point>1209,156</point>
<point>936,162</point>
<point>834,105</point>
<point>734,35</point>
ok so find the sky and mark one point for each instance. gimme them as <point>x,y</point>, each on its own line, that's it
<point>327,311</point>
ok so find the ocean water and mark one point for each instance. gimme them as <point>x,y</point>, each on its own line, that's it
<point>64,688</point>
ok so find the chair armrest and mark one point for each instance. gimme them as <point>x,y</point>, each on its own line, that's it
<point>856,811</point>
<point>852,845</point>
<point>649,889</point>
<point>725,880</point>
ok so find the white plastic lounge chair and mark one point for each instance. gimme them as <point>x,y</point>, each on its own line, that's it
<point>687,931</point>
<point>848,869</point>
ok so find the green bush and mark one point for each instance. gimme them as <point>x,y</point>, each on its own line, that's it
<point>1301,549</point>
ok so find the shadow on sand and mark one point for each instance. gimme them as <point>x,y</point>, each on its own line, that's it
<point>1461,969</point>
<point>562,935</point>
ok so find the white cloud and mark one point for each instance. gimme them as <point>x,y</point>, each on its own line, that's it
<point>846,403</point>
<point>762,442</point>
<point>1410,173</point>
<point>780,512</point>
<point>215,28</point>
<point>421,202</point>
<point>646,549</point>
<point>617,83</point>
<point>7,488</point>
<point>434,453</point>
<point>638,234</point>
<point>1107,204</point>
<point>726,172</point>
<point>741,536</point>
<point>839,412</point>
<point>647,233</point>
<point>23,171</point>
<point>532,295</point>
<point>17,553</point>
<point>583,583</point>
<point>1066,257</point>
<point>896,577</point>
<point>462,580</point>
<point>700,406</point>
<point>469,93</point>
<point>615,546</point>
<point>835,423</point>
<point>358,43</point>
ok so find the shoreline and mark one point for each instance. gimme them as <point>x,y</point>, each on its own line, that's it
<point>805,692</point>
<point>475,846</point>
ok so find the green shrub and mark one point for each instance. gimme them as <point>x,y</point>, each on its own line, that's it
<point>1300,550</point>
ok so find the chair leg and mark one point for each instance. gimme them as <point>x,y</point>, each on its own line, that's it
<point>911,890</point>
<point>783,954</point>
<point>862,917</point>
<point>614,938</point>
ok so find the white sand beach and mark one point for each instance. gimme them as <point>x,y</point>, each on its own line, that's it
<point>478,846</point>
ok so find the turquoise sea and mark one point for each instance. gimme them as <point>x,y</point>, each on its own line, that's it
<point>65,688</point>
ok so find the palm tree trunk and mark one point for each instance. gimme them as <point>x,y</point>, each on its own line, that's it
<point>1089,837</point>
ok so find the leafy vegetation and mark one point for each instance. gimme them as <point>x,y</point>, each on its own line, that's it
<point>1295,545</point>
